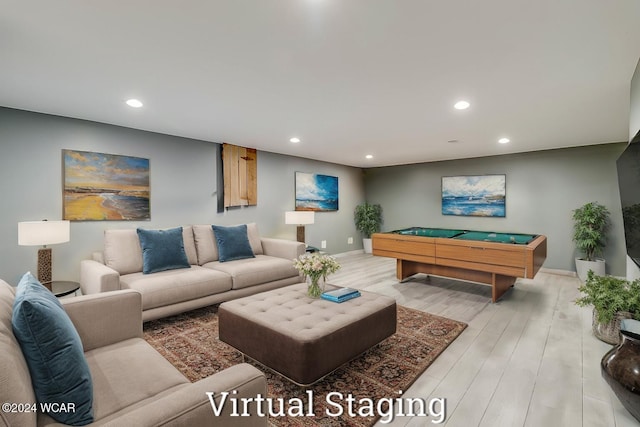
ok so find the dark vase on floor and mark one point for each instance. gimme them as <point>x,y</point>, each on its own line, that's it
<point>621,367</point>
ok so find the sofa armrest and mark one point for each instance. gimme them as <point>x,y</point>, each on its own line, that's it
<point>105,318</point>
<point>190,405</point>
<point>96,277</point>
<point>282,248</point>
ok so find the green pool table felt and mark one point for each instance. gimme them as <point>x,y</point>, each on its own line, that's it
<point>518,239</point>
<point>429,232</point>
<point>484,236</point>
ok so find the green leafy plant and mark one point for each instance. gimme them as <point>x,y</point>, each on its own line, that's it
<point>590,224</point>
<point>368,218</point>
<point>610,295</point>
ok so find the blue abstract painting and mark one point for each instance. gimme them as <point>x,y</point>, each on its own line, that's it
<point>316,192</point>
<point>483,195</point>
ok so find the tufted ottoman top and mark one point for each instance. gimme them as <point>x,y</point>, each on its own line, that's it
<point>304,338</point>
<point>289,310</point>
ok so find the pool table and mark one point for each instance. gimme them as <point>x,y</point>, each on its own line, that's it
<point>491,258</point>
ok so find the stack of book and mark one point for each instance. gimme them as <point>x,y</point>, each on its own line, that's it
<point>341,294</point>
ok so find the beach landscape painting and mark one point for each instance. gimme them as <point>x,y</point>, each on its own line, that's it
<point>105,187</point>
<point>315,192</point>
<point>482,195</point>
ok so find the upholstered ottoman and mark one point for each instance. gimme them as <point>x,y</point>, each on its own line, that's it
<point>305,339</point>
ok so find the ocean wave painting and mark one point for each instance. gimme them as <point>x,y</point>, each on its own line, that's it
<point>483,195</point>
<point>316,192</point>
<point>99,187</point>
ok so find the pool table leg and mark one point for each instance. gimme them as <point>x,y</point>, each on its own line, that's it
<point>500,285</point>
<point>406,269</point>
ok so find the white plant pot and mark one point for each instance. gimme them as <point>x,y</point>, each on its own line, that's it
<point>583,266</point>
<point>368,245</point>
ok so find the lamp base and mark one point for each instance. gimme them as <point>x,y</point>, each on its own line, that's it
<point>44,267</point>
<point>300,234</point>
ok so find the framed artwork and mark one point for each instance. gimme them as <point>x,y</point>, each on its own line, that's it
<point>316,192</point>
<point>481,195</point>
<point>105,187</point>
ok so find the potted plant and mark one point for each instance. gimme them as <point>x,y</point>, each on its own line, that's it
<point>368,219</point>
<point>590,224</point>
<point>613,299</point>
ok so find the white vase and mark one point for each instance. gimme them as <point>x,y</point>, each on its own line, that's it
<point>368,245</point>
<point>583,266</point>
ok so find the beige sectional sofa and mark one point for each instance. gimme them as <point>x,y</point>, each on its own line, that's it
<point>207,281</point>
<point>133,385</point>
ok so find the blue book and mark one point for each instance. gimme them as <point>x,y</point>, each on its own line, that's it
<point>341,295</point>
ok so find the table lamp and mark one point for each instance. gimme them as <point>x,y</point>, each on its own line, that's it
<point>300,218</point>
<point>36,233</point>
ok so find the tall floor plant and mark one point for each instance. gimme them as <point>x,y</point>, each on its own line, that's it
<point>368,220</point>
<point>590,226</point>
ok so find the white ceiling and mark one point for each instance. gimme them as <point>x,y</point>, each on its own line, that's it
<point>348,77</point>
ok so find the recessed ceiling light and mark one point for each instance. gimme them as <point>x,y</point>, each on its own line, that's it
<point>504,140</point>
<point>135,103</point>
<point>369,156</point>
<point>461,105</point>
<point>294,140</point>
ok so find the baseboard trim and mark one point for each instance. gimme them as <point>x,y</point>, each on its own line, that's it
<point>558,272</point>
<point>341,254</point>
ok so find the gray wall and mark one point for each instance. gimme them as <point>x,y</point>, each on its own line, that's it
<point>276,195</point>
<point>183,188</point>
<point>542,190</point>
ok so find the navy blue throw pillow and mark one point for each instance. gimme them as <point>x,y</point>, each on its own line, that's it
<point>162,250</point>
<point>53,351</point>
<point>233,243</point>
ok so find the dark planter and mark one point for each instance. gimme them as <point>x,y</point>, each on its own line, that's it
<point>620,368</point>
<point>609,332</point>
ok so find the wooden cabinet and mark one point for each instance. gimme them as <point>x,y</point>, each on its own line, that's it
<point>240,168</point>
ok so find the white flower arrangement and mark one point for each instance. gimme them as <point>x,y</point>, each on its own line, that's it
<point>315,266</point>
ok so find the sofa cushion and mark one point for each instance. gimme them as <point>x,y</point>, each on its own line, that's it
<point>122,251</point>
<point>53,350</point>
<point>207,248</point>
<point>254,238</point>
<point>162,250</point>
<point>129,372</point>
<point>15,381</point>
<point>233,242</point>
<point>255,271</point>
<point>206,245</point>
<point>174,286</point>
<point>189,245</point>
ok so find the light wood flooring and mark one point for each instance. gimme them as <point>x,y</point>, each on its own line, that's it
<point>528,360</point>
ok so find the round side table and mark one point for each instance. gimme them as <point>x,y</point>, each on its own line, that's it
<point>61,288</point>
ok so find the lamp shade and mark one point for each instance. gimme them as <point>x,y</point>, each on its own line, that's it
<point>36,233</point>
<point>299,217</point>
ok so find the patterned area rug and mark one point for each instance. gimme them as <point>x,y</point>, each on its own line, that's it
<point>190,342</point>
